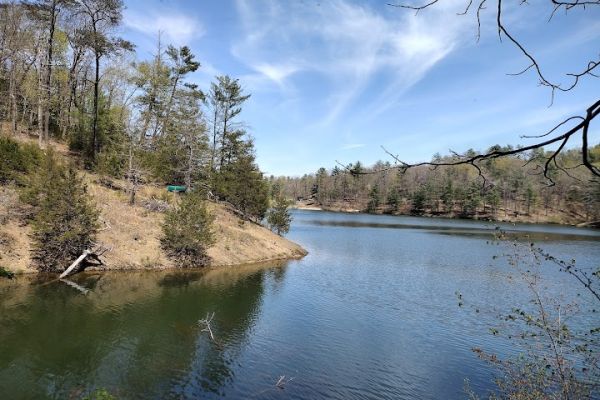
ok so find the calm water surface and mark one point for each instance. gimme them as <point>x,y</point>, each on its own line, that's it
<point>370,313</point>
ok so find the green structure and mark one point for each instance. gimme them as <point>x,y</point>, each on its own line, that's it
<point>177,188</point>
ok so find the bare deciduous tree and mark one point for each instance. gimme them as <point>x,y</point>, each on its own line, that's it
<point>564,131</point>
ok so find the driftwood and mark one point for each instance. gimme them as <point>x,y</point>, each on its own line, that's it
<point>75,264</point>
<point>89,254</point>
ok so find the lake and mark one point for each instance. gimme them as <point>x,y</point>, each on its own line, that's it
<point>371,313</point>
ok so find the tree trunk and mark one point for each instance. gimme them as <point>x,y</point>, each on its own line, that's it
<point>53,15</point>
<point>223,138</point>
<point>13,101</point>
<point>167,111</point>
<point>40,109</point>
<point>188,173</point>
<point>214,144</point>
<point>75,264</point>
<point>132,177</point>
<point>95,141</point>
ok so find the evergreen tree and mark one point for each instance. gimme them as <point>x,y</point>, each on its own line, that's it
<point>226,98</point>
<point>472,199</point>
<point>418,201</point>
<point>187,231</point>
<point>492,197</point>
<point>448,196</point>
<point>242,184</point>
<point>393,199</point>
<point>373,200</point>
<point>279,217</point>
<point>66,222</point>
<point>530,198</point>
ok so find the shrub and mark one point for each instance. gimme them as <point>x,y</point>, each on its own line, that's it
<point>4,273</point>
<point>279,217</point>
<point>187,231</point>
<point>111,163</point>
<point>17,160</point>
<point>66,222</point>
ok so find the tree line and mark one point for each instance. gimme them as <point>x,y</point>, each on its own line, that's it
<point>500,189</point>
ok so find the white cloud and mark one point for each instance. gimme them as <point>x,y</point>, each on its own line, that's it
<point>352,146</point>
<point>179,29</point>
<point>276,73</point>
<point>347,45</point>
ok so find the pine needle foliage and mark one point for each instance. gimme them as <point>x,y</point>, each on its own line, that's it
<point>65,222</point>
<point>187,231</point>
<point>17,160</point>
<point>278,217</point>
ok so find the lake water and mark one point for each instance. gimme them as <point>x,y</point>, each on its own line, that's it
<point>371,312</point>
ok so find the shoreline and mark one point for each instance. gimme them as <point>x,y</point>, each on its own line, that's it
<point>169,268</point>
<point>585,225</point>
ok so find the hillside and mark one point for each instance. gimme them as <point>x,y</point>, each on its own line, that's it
<point>131,233</point>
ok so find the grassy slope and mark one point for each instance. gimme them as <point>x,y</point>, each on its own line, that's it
<point>132,233</point>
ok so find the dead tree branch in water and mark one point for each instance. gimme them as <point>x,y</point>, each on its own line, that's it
<point>281,382</point>
<point>206,323</point>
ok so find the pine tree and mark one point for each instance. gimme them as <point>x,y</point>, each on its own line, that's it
<point>418,201</point>
<point>530,198</point>
<point>448,196</point>
<point>66,221</point>
<point>492,197</point>
<point>373,200</point>
<point>393,199</point>
<point>187,231</point>
<point>279,217</point>
<point>472,199</point>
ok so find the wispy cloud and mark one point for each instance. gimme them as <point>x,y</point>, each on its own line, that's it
<point>346,45</point>
<point>276,73</point>
<point>179,29</point>
<point>351,146</point>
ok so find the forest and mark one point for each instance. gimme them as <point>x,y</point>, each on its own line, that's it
<point>68,81</point>
<point>507,188</point>
<point>66,75</point>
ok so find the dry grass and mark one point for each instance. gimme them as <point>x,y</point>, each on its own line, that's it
<point>14,234</point>
<point>133,233</point>
<point>241,242</point>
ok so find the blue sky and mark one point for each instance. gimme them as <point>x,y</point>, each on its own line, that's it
<point>334,80</point>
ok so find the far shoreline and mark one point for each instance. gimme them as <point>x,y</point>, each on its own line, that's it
<point>585,225</point>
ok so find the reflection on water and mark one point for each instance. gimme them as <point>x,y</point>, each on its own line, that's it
<point>135,333</point>
<point>480,229</point>
<point>369,313</point>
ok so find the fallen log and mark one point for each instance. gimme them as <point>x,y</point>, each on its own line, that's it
<point>75,264</point>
